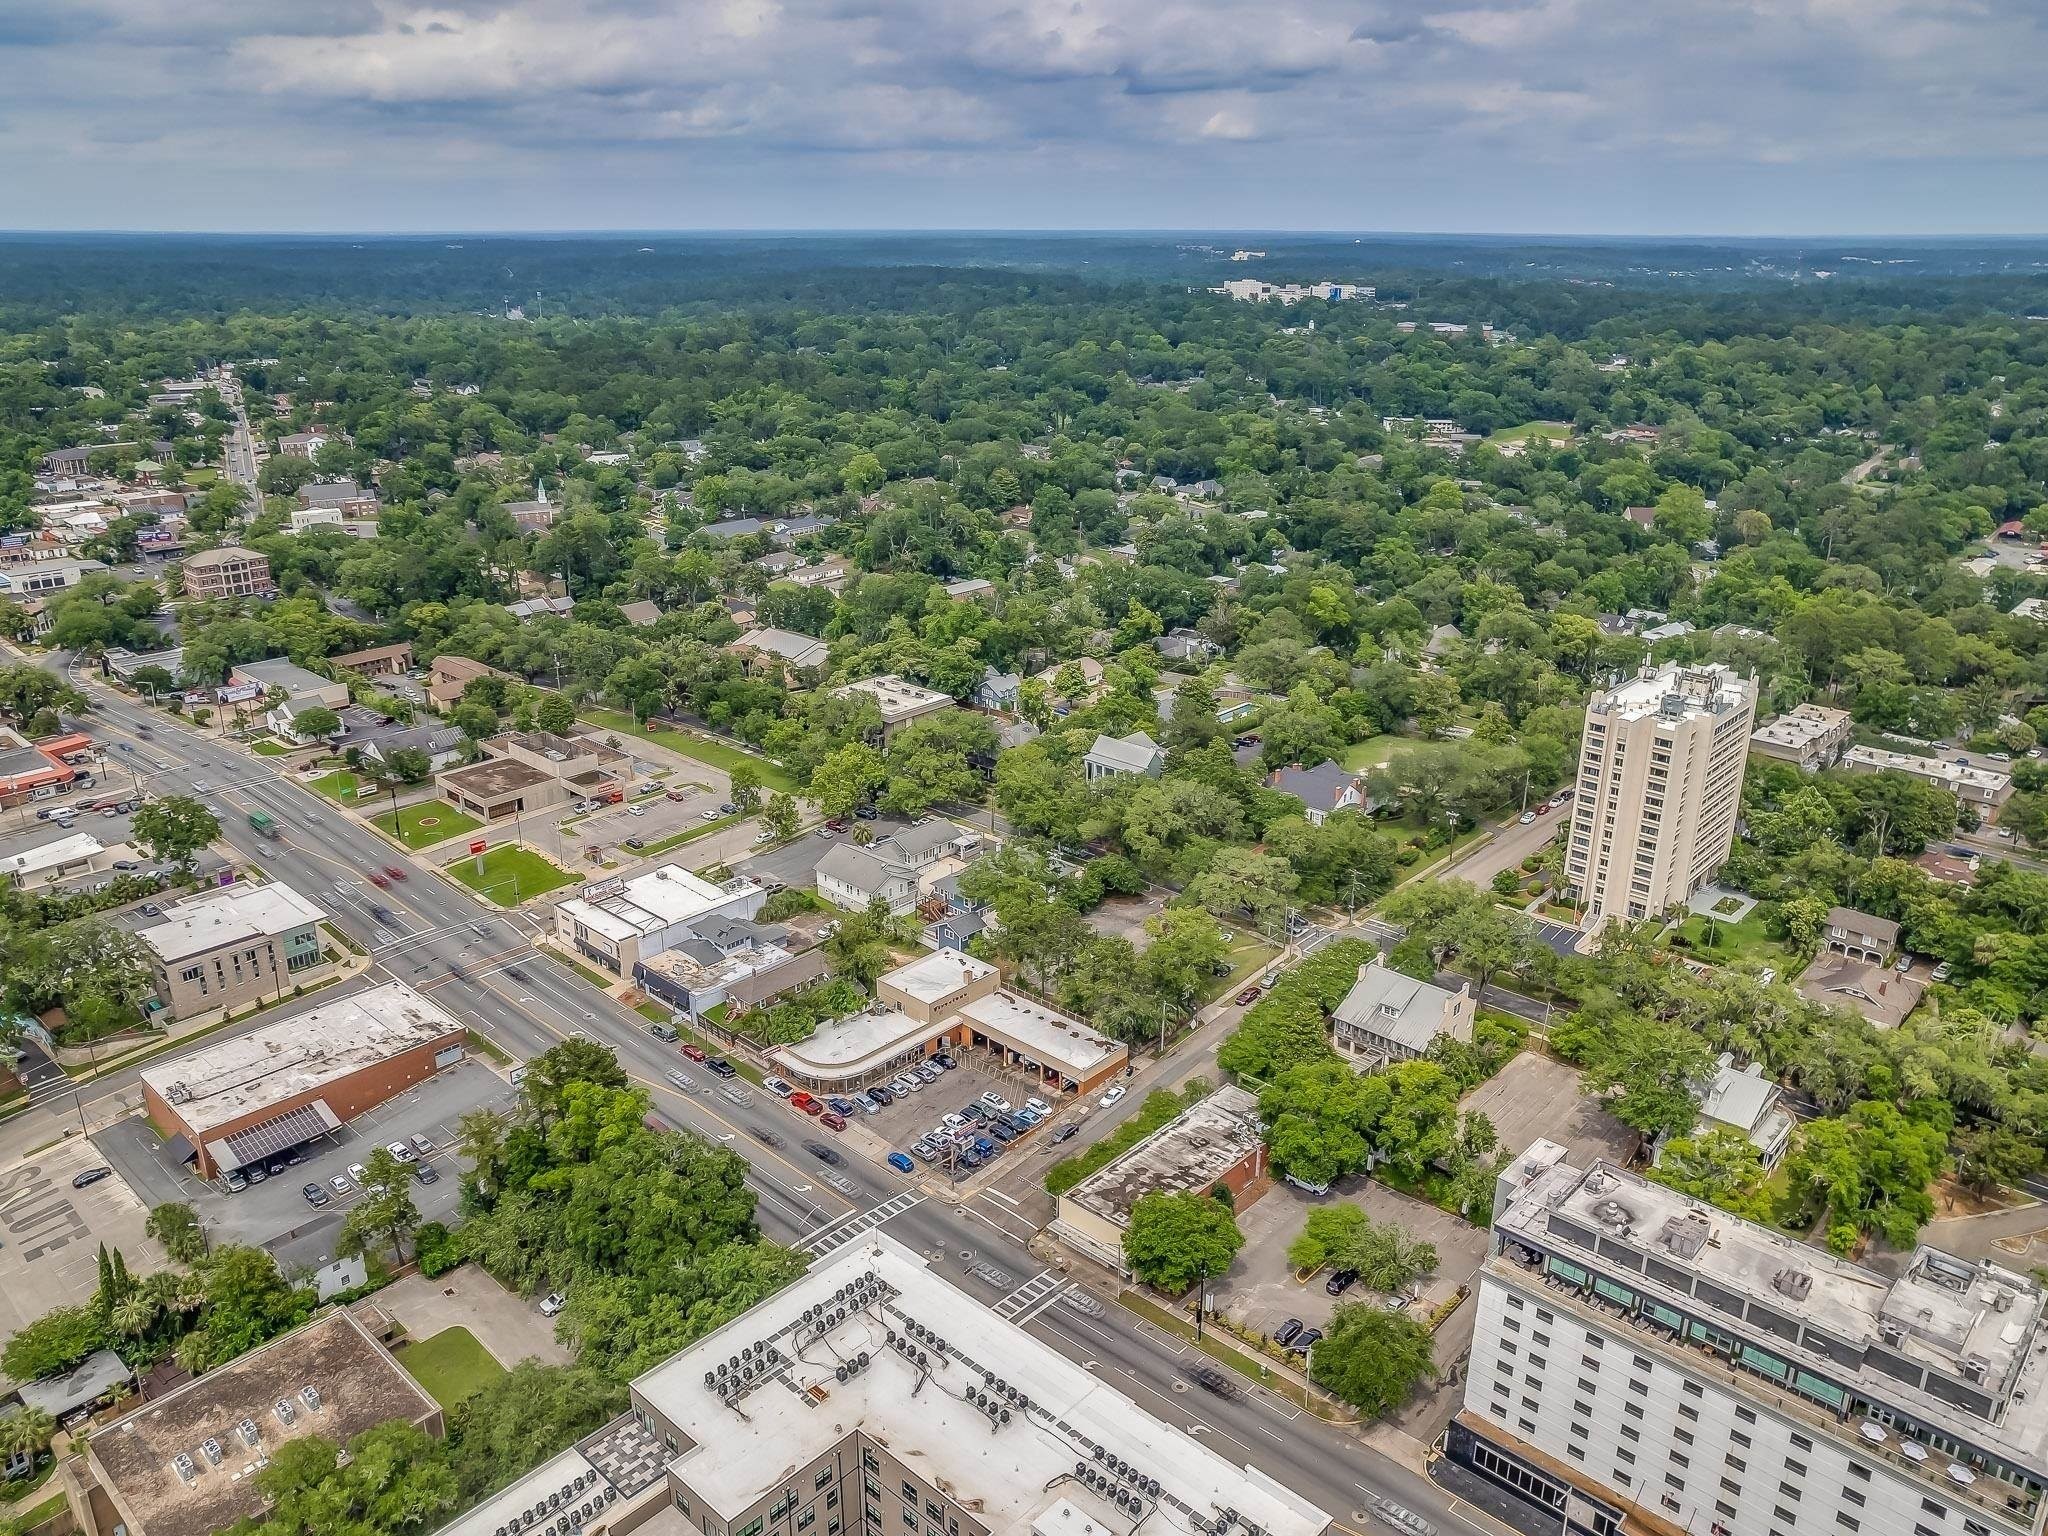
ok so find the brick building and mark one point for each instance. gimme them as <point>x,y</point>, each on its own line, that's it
<point>230,571</point>
<point>239,1101</point>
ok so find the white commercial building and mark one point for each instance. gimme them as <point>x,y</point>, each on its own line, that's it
<point>1660,781</point>
<point>620,922</point>
<point>1641,1359</point>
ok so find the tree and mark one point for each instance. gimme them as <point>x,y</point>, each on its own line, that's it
<point>316,723</point>
<point>746,787</point>
<point>26,1433</point>
<point>480,1140</point>
<point>176,1226</point>
<point>780,817</point>
<point>385,1213</point>
<point>556,715</point>
<point>524,1417</point>
<point>1385,1257</point>
<point>396,1479</point>
<point>848,779</point>
<point>1246,884</point>
<point>409,765</point>
<point>1371,1358</point>
<point>1327,1232</point>
<point>54,1342</point>
<point>933,761</point>
<point>1870,1170</point>
<point>1175,1239</point>
<point>1722,1166</point>
<point>474,720</point>
<point>174,828</point>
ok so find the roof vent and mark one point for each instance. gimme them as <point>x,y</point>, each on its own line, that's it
<point>1794,1283</point>
<point>1975,1368</point>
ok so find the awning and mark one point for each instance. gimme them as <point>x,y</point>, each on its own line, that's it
<point>181,1149</point>
<point>293,1128</point>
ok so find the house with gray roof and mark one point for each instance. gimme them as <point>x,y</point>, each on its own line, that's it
<point>997,690</point>
<point>1136,753</point>
<point>1388,1017</point>
<point>1744,1100</point>
<point>1322,790</point>
<point>901,868</point>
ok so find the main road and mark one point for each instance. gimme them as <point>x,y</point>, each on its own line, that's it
<point>478,962</point>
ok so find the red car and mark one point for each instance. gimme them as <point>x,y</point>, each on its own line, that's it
<point>837,823</point>
<point>394,871</point>
<point>833,1119</point>
<point>1247,997</point>
<point>377,879</point>
<point>695,1053</point>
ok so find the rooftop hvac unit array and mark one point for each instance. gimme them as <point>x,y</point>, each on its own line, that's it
<point>737,1376</point>
<point>1105,1485</point>
<point>563,1511</point>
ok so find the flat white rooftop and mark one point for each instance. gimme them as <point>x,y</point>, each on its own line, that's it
<point>1047,1036</point>
<point>938,975</point>
<point>51,855</point>
<point>1014,1475</point>
<point>1675,692</point>
<point>234,914</point>
<point>898,698</point>
<point>278,1060</point>
<point>856,1042</point>
<point>646,903</point>
<point>1797,727</point>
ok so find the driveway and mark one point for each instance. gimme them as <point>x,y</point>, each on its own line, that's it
<point>508,1325</point>
<point>50,1233</point>
<point>795,863</point>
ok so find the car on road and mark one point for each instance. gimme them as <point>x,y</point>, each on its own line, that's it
<point>394,871</point>
<point>551,1304</point>
<point>1526,817</point>
<point>1213,1378</point>
<point>1340,1282</point>
<point>201,787</point>
<point>425,1173</point>
<point>1400,1517</point>
<point>91,1176</point>
<point>767,1138</point>
<point>822,1153</point>
<point>314,1195</point>
<point>341,1186</point>
<point>901,1163</point>
<point>694,1052</point>
<point>778,1087</point>
<point>379,879</point>
<point>995,1100</point>
<point>1247,997</point>
<point>402,1151</point>
<point>1065,1133</point>
<point>1306,1340</point>
<point>1287,1331</point>
<point>1111,1097</point>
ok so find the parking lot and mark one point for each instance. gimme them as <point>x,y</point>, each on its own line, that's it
<point>1533,1097</point>
<point>1125,917</point>
<point>275,1213</point>
<point>647,817</point>
<point>912,1115</point>
<point>50,1233</point>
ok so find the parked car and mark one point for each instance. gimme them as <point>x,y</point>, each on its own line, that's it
<point>1340,1282</point>
<point>808,1105</point>
<point>425,1173</point>
<point>1287,1331</point>
<point>233,1182</point>
<point>1038,1106</point>
<point>720,1066</point>
<point>995,1100</point>
<point>315,1195</point>
<point>636,843</point>
<point>838,1104</point>
<point>866,812</point>
<point>944,1062</point>
<point>1111,1097</point>
<point>1941,972</point>
<point>126,866</point>
<point>881,1094</point>
<point>91,1176</point>
<point>255,1173</point>
<point>1526,817</point>
<point>778,1087</point>
<point>1306,1340</point>
<point>836,824</point>
<point>358,1172</point>
<point>832,1120</point>
<point>422,1145</point>
<point>1247,997</point>
<point>679,794</point>
<point>402,1151</point>
<point>663,1032</point>
<point>694,1052</point>
<point>901,1163</point>
<point>341,1186</point>
<point>551,1304</point>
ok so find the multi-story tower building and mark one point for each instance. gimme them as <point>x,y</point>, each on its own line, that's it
<point>1660,782</point>
<point>1642,1361</point>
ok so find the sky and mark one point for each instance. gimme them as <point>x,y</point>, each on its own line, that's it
<point>1595,117</point>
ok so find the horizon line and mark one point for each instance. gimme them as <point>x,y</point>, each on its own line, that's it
<point>757,232</point>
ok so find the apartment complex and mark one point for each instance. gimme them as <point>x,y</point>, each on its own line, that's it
<point>1660,781</point>
<point>899,700</point>
<point>1985,788</point>
<point>1810,737</point>
<point>230,571</point>
<point>1642,1361</point>
<point>872,1398</point>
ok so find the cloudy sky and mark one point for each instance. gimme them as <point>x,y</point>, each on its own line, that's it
<point>1567,116</point>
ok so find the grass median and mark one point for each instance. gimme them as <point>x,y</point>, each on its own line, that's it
<point>704,749</point>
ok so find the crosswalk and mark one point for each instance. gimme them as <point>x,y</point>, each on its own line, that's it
<point>1030,1298</point>
<point>838,1233</point>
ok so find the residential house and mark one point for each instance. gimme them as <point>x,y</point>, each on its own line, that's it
<point>974,589</point>
<point>378,661</point>
<point>302,445</point>
<point>540,607</point>
<point>1745,1101</point>
<point>997,691</point>
<point>1880,994</point>
<point>642,614</point>
<point>1388,1017</point>
<point>343,496</point>
<point>1136,753</point>
<point>780,653</point>
<point>1642,517</point>
<point>1188,645</point>
<point>1947,868</point>
<point>829,575</point>
<point>449,674</point>
<point>441,743</point>
<point>1984,788</point>
<point>1860,935</point>
<point>1090,673</point>
<point>778,562</point>
<point>1322,790</point>
<point>902,868</point>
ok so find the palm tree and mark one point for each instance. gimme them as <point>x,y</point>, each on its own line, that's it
<point>134,1314</point>
<point>26,1433</point>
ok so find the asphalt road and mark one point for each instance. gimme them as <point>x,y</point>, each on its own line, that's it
<point>477,962</point>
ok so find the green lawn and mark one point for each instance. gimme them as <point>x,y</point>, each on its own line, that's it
<point>688,835</point>
<point>510,875</point>
<point>704,749</point>
<point>269,748</point>
<point>1556,431</point>
<point>1743,943</point>
<point>341,785</point>
<point>421,826</point>
<point>1372,753</point>
<point>451,1365</point>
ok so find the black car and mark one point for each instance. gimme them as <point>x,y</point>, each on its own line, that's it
<point>315,1195</point>
<point>1306,1340</point>
<point>424,1172</point>
<point>1212,1378</point>
<point>722,1067</point>
<point>1340,1282</point>
<point>975,1113</point>
<point>881,1095</point>
<point>1002,1132</point>
<point>277,1166</point>
<point>1288,1331</point>
<point>866,812</point>
<point>636,843</point>
<point>822,1153</point>
<point>767,1138</point>
<point>91,1176</point>
<point>1064,1133</point>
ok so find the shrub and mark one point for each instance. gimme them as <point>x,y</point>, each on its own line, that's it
<point>438,1248</point>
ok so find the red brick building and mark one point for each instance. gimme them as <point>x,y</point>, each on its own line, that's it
<point>287,1082</point>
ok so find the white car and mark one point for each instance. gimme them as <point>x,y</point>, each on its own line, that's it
<point>1038,1106</point>
<point>402,1151</point>
<point>1526,817</point>
<point>551,1304</point>
<point>1111,1097</point>
<point>995,1100</point>
<point>954,1122</point>
<point>778,1087</point>
<point>358,1172</point>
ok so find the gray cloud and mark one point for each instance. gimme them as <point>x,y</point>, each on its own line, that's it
<point>1556,114</point>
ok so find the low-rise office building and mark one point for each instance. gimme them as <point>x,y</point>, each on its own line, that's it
<point>230,571</point>
<point>378,661</point>
<point>236,945</point>
<point>76,853</point>
<point>1217,1140</point>
<point>291,1080</point>
<point>948,1000</point>
<point>622,921</point>
<point>184,1464</point>
<point>530,770</point>
<point>1642,1360</point>
<point>899,700</point>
